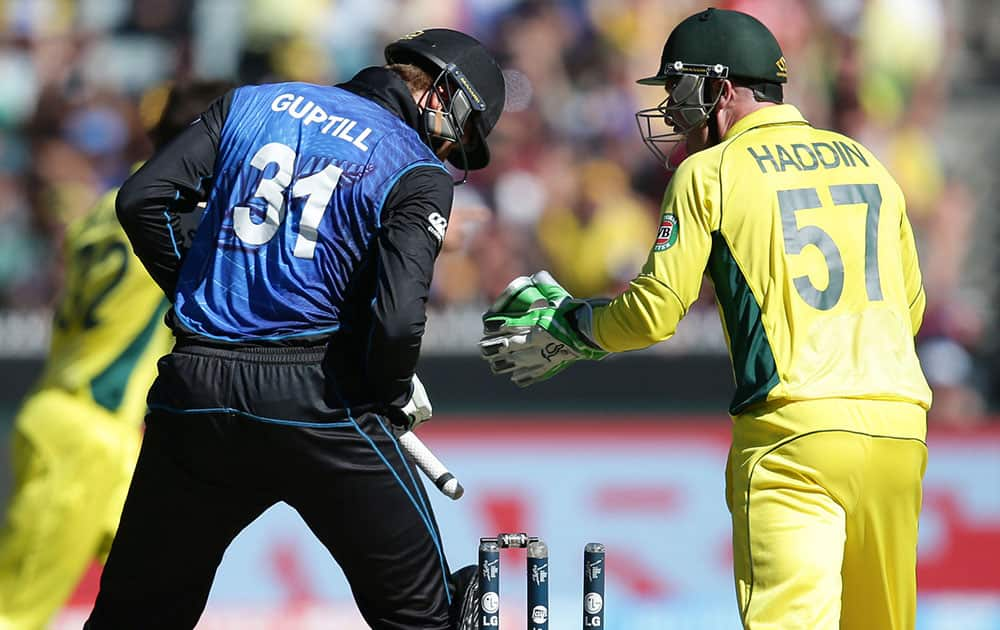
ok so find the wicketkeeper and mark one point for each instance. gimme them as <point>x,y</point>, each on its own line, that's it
<point>805,237</point>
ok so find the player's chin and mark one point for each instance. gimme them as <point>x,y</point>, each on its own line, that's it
<point>677,154</point>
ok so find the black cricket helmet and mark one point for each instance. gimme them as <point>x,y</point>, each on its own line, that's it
<point>712,44</point>
<point>464,70</point>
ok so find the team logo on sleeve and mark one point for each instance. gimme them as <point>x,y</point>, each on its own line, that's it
<point>667,235</point>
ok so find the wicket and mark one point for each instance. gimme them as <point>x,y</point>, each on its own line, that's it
<point>537,570</point>
<point>593,585</point>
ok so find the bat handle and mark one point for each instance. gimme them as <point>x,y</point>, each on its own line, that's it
<point>437,472</point>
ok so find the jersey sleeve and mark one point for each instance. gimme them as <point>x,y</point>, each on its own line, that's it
<point>415,213</point>
<point>916,298</point>
<point>174,180</point>
<point>649,310</point>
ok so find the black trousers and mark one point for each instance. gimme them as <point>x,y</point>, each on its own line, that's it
<point>203,475</point>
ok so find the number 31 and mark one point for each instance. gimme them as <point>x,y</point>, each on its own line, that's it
<point>318,187</point>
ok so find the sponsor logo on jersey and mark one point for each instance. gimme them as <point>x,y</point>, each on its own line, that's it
<point>667,235</point>
<point>438,225</point>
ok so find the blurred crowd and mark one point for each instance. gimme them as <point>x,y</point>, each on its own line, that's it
<point>571,187</point>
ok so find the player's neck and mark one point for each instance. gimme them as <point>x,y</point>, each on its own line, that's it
<point>737,111</point>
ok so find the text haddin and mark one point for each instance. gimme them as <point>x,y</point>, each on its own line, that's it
<point>806,157</point>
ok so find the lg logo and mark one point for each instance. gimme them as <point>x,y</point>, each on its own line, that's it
<point>490,603</point>
<point>593,604</point>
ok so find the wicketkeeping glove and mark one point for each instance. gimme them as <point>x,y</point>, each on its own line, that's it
<point>536,329</point>
<point>520,296</point>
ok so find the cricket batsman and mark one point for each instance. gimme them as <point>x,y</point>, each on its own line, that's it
<point>298,314</point>
<point>805,236</point>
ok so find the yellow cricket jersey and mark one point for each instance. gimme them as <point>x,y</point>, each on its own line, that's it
<point>108,329</point>
<point>805,236</point>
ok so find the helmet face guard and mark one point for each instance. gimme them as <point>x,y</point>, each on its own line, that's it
<point>448,124</point>
<point>686,108</point>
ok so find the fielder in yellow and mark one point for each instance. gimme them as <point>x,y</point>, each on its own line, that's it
<point>805,237</point>
<point>77,435</point>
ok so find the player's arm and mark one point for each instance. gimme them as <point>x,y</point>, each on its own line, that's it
<point>414,218</point>
<point>915,296</point>
<point>173,181</point>
<point>649,310</point>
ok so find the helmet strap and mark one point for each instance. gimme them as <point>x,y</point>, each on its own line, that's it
<point>714,137</point>
<point>767,92</point>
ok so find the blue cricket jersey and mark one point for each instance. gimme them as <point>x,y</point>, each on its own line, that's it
<point>300,179</point>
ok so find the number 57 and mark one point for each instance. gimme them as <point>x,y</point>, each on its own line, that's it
<point>796,239</point>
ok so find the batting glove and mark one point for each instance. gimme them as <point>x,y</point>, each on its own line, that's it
<point>417,409</point>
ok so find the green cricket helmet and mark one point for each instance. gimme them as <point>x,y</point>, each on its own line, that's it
<point>713,44</point>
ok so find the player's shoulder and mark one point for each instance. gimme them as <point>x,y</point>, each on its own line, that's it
<point>299,96</point>
<point>381,136</point>
<point>329,107</point>
<point>281,87</point>
<point>851,154</point>
<point>850,148</point>
<point>99,221</point>
<point>707,159</point>
<point>698,169</point>
<point>694,188</point>
<point>280,97</point>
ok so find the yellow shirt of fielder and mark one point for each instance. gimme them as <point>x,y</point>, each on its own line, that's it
<point>77,435</point>
<point>108,329</point>
<point>805,237</point>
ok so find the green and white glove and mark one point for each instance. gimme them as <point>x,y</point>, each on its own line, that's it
<point>536,329</point>
<point>417,409</point>
<point>520,296</point>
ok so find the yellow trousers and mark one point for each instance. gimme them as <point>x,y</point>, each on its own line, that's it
<point>825,498</point>
<point>72,465</point>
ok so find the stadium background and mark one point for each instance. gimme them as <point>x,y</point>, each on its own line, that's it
<point>629,452</point>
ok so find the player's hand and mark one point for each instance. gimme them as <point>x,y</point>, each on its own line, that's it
<point>418,409</point>
<point>532,331</point>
